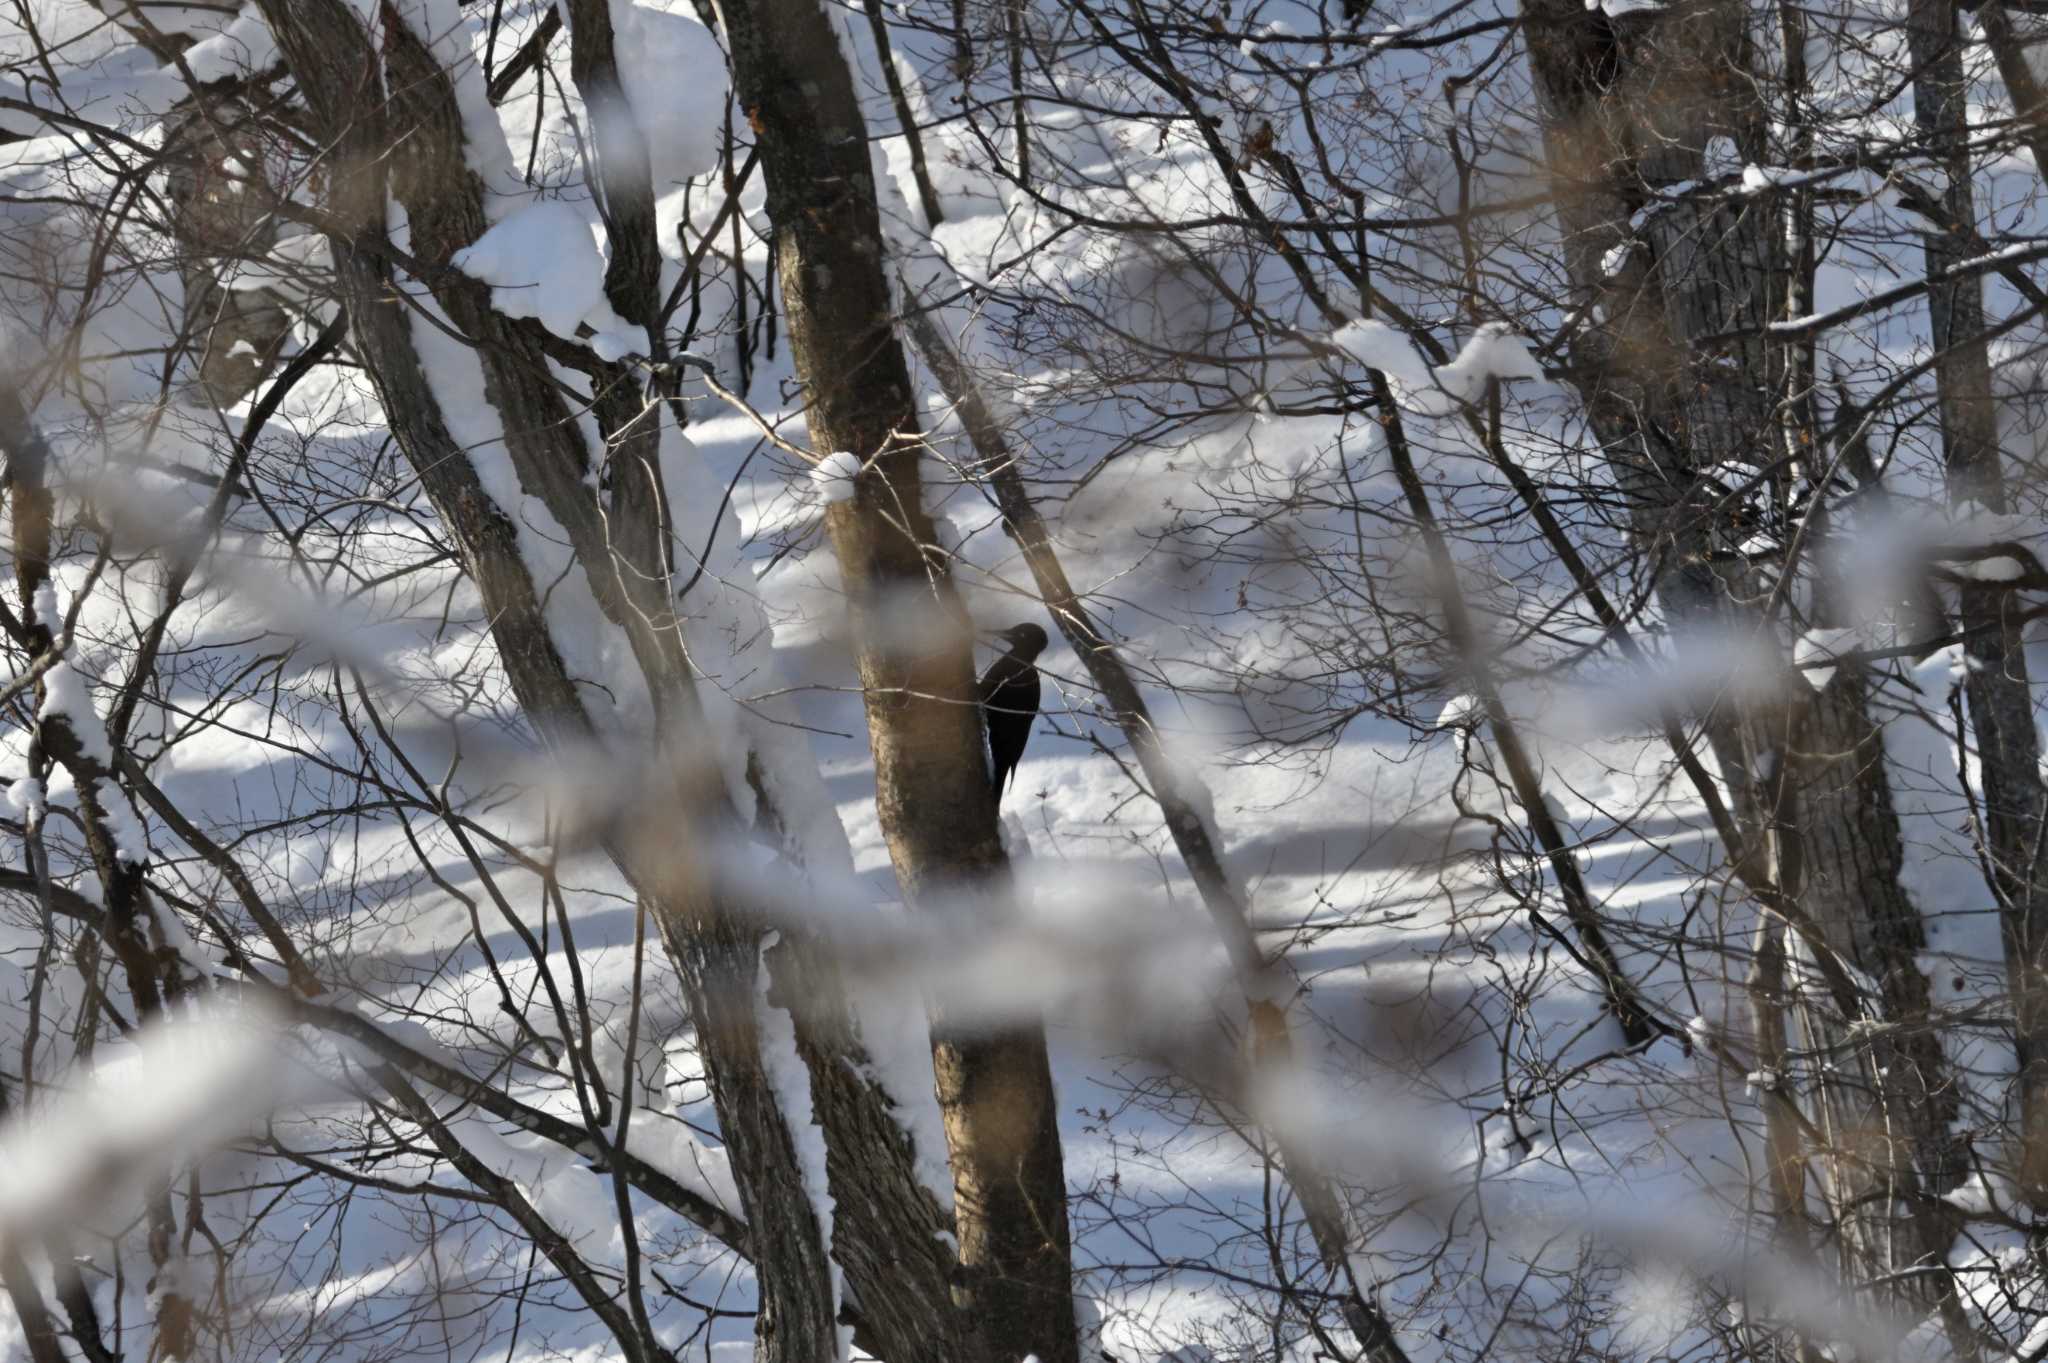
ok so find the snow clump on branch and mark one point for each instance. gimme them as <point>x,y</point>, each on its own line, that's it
<point>834,476</point>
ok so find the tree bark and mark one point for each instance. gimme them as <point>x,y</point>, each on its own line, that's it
<point>913,649</point>
<point>1784,1128</point>
<point>37,1328</point>
<point>1630,106</point>
<point>2010,44</point>
<point>410,142</point>
<point>149,965</point>
<point>1996,684</point>
<point>1882,1093</point>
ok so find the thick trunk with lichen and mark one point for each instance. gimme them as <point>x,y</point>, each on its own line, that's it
<point>914,652</point>
<point>1675,372</point>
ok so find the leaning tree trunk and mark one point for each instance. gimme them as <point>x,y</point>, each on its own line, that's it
<point>913,646</point>
<point>1630,106</point>
<point>391,114</point>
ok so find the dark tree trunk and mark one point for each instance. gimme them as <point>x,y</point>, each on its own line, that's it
<point>913,647</point>
<point>1630,106</point>
<point>411,143</point>
<point>1996,684</point>
<point>1182,801</point>
<point>149,965</point>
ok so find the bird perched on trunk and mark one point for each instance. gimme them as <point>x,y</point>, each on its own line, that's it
<point>1009,701</point>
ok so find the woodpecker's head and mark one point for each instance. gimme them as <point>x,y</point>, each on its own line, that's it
<point>1025,641</point>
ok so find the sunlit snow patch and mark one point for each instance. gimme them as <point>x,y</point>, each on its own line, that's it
<point>834,476</point>
<point>544,262</point>
<point>1492,352</point>
<point>1818,646</point>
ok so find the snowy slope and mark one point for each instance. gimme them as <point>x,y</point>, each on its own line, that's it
<point>1457,1072</point>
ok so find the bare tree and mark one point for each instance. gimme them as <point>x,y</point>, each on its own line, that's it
<point>1539,507</point>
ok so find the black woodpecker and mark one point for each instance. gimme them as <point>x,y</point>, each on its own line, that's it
<point>1009,701</point>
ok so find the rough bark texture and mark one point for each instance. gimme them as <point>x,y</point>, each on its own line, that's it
<point>913,650</point>
<point>1630,105</point>
<point>1882,1096</point>
<point>1996,685</point>
<point>1182,800</point>
<point>621,537</point>
<point>416,142</point>
<point>889,1233</point>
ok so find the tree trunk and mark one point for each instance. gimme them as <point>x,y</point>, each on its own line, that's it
<point>37,1328</point>
<point>1784,1138</point>
<point>1882,1095</point>
<point>2010,44</point>
<point>410,142</point>
<point>913,646</point>
<point>1184,801</point>
<point>1996,684</point>
<point>1631,105</point>
<point>77,743</point>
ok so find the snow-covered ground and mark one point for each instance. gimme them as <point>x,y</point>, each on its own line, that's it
<point>1512,1175</point>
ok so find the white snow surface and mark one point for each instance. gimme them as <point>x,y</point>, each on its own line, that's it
<point>834,476</point>
<point>674,78</point>
<point>1816,646</point>
<point>1365,860</point>
<point>1493,352</point>
<point>792,1084</point>
<point>67,698</point>
<point>131,844</point>
<point>245,47</point>
<point>26,798</point>
<point>547,261</point>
